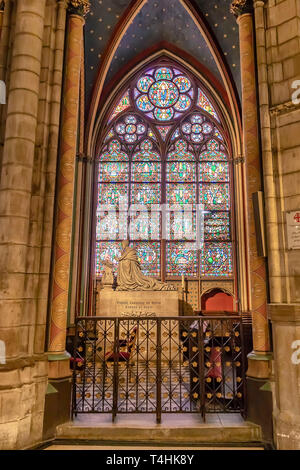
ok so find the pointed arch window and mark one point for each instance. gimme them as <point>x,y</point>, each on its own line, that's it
<point>164,145</point>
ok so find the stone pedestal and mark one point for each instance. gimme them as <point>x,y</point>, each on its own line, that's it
<point>286,339</point>
<point>138,303</point>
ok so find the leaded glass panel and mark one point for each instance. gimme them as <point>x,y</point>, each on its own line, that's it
<point>217,226</point>
<point>181,171</point>
<point>146,171</point>
<point>149,257</point>
<point>181,193</point>
<point>214,196</point>
<point>143,193</point>
<point>113,193</point>
<point>113,172</point>
<point>182,258</point>
<point>216,259</point>
<point>213,172</point>
<point>107,251</point>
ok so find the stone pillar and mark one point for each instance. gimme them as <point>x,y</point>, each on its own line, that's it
<point>59,360</point>
<point>258,282</point>
<point>22,374</point>
<point>286,337</point>
<point>259,401</point>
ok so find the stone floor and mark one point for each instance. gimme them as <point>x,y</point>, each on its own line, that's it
<point>184,428</point>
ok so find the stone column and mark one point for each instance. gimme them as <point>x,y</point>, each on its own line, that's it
<point>259,400</point>
<point>59,362</point>
<point>243,10</point>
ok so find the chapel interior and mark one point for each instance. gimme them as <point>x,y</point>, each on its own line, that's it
<point>150,223</point>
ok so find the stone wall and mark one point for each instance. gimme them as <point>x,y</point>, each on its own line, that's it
<point>278,56</point>
<point>31,60</point>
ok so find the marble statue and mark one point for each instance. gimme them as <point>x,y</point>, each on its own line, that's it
<point>130,276</point>
<point>108,278</point>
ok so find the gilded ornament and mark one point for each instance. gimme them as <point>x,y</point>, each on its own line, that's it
<point>79,7</point>
<point>240,7</point>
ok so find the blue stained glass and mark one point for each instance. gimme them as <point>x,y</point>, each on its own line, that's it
<point>181,171</point>
<point>107,251</point>
<point>183,83</point>
<point>112,193</point>
<point>146,171</point>
<point>148,254</point>
<point>214,196</point>
<point>216,259</point>
<point>181,152</point>
<point>163,73</point>
<point>182,258</point>
<point>212,153</point>
<point>145,225</point>
<point>114,152</point>
<point>181,193</point>
<point>214,172</point>
<point>145,193</point>
<point>217,226</point>
<point>183,103</point>
<point>113,171</point>
<point>146,153</point>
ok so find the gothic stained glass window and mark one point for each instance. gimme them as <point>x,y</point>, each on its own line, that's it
<point>216,259</point>
<point>182,258</point>
<point>165,144</point>
<point>149,257</point>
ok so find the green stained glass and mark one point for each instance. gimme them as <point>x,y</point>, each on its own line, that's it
<point>214,172</point>
<point>146,171</point>
<point>217,226</point>
<point>214,196</point>
<point>212,152</point>
<point>181,171</point>
<point>146,152</point>
<point>143,193</point>
<point>123,104</point>
<point>113,193</point>
<point>113,171</point>
<point>181,193</point>
<point>148,254</point>
<point>204,103</point>
<point>114,152</point>
<point>181,152</point>
<point>216,259</point>
<point>107,251</point>
<point>182,258</point>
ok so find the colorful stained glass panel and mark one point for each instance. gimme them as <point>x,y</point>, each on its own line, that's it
<point>204,103</point>
<point>146,152</point>
<point>163,114</point>
<point>214,196</point>
<point>145,193</point>
<point>144,104</point>
<point>111,225</point>
<point>181,193</point>
<point>107,251</point>
<point>148,254</point>
<point>146,171</point>
<point>163,73</point>
<point>217,226</point>
<point>181,171</point>
<point>181,225</point>
<point>183,103</point>
<point>163,94</point>
<point>114,153</point>
<point>144,83</point>
<point>123,104</point>
<point>114,194</point>
<point>216,259</point>
<point>145,225</point>
<point>213,153</point>
<point>181,152</point>
<point>113,171</point>
<point>183,83</point>
<point>214,172</point>
<point>182,258</point>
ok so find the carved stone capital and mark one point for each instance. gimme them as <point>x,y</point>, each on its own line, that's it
<point>79,7</point>
<point>2,5</point>
<point>241,7</point>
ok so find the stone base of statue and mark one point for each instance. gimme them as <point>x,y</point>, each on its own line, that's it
<point>138,303</point>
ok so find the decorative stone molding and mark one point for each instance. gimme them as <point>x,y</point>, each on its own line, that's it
<point>79,7</point>
<point>81,157</point>
<point>284,108</point>
<point>225,286</point>
<point>241,7</point>
<point>238,160</point>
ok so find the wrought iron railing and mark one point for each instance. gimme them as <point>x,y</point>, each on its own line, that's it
<point>159,365</point>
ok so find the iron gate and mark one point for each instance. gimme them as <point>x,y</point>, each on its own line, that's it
<point>158,365</point>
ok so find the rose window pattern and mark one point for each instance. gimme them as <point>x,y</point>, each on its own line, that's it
<point>164,93</point>
<point>164,145</point>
